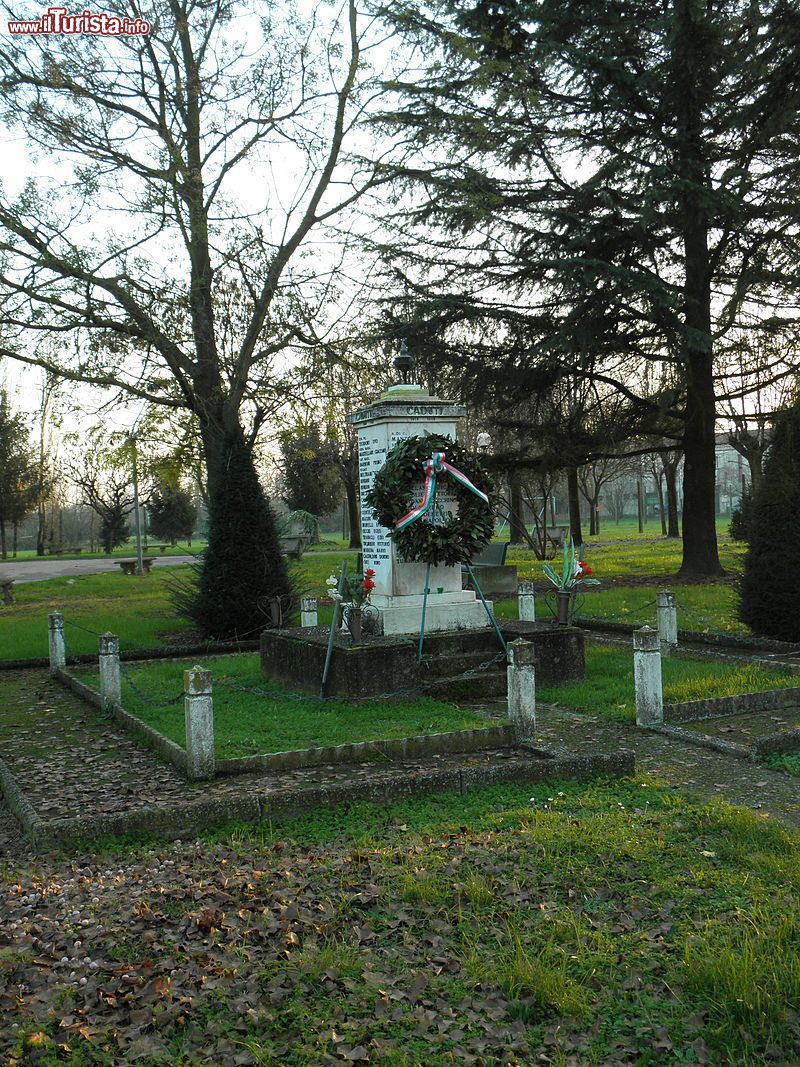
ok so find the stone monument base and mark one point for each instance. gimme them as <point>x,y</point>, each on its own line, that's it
<point>466,664</point>
<point>456,610</point>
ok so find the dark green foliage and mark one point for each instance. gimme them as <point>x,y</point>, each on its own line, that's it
<point>740,519</point>
<point>17,470</point>
<point>609,200</point>
<point>114,531</point>
<point>449,543</point>
<point>311,477</point>
<point>770,589</point>
<point>242,567</point>
<point>172,513</point>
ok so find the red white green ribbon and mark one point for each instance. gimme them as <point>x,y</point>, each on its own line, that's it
<point>433,466</point>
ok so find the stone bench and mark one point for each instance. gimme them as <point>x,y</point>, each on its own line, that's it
<point>493,575</point>
<point>129,565</point>
<point>7,590</point>
<point>557,535</point>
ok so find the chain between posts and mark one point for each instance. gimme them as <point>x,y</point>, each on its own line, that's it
<point>168,703</point>
<point>622,615</point>
<point>415,690</point>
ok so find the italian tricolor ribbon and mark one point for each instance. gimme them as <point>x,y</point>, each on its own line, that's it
<point>434,466</point>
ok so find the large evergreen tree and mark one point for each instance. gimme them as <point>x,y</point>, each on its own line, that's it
<point>770,588</point>
<point>601,187</point>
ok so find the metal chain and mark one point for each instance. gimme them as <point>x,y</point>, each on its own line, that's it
<point>169,703</point>
<point>285,697</point>
<point>77,626</point>
<point>622,615</point>
<point>706,622</point>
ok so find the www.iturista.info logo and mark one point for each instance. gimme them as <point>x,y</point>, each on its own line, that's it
<point>56,20</point>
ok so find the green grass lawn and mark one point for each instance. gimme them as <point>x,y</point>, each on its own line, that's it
<point>139,610</point>
<point>141,613</point>
<point>628,529</point>
<point>706,608</point>
<point>608,688</point>
<point>623,559</point>
<point>274,720</point>
<point>614,922</point>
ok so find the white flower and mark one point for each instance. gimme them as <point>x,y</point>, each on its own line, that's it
<point>332,582</point>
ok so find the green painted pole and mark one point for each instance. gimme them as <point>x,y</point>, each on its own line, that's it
<point>486,607</point>
<point>334,622</point>
<point>424,609</point>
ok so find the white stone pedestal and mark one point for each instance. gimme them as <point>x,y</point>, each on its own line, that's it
<point>407,411</point>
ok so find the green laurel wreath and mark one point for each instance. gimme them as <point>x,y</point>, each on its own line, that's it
<point>452,542</point>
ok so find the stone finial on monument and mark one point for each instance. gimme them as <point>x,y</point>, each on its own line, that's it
<point>407,410</point>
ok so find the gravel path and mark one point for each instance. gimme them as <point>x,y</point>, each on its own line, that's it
<point>37,570</point>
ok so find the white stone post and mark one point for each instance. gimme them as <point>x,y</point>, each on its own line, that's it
<point>522,690</point>
<point>527,601</point>
<point>647,677</point>
<point>308,611</point>
<point>110,681</point>
<point>58,651</point>
<point>199,709</point>
<point>667,614</point>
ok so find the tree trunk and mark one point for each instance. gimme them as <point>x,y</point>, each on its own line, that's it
<point>351,490</point>
<point>14,534</point>
<point>41,529</point>
<point>657,475</point>
<point>516,513</point>
<point>574,507</point>
<point>3,547</point>
<point>700,554</point>
<point>671,479</point>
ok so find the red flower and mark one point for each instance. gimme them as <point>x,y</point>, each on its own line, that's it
<point>368,585</point>
<point>369,573</point>
<point>586,571</point>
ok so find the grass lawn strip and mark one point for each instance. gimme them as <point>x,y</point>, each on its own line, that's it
<point>274,720</point>
<point>601,923</point>
<point>608,689</point>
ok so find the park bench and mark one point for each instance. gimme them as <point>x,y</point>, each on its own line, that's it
<point>293,545</point>
<point>7,590</point>
<point>129,565</point>
<point>491,572</point>
<point>557,535</point>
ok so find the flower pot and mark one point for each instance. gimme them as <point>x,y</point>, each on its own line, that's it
<point>355,623</point>
<point>564,606</point>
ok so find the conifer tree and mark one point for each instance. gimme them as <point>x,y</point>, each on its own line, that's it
<point>604,191</point>
<point>770,587</point>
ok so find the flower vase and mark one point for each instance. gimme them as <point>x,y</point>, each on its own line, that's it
<point>355,624</point>
<point>564,605</point>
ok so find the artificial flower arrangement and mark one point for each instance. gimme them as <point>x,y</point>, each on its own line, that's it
<point>357,591</point>
<point>574,571</point>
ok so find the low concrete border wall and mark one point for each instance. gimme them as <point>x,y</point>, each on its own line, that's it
<point>780,743</point>
<point>183,820</point>
<point>361,751</point>
<point>716,707</point>
<point>740,641</point>
<point>88,659</point>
